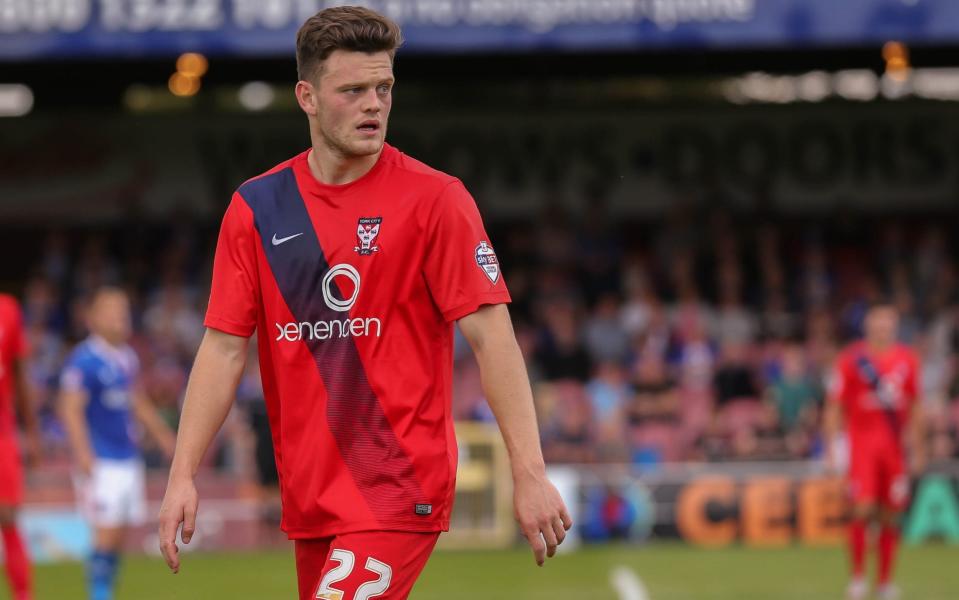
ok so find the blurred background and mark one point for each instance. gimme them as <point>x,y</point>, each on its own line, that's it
<point>693,202</point>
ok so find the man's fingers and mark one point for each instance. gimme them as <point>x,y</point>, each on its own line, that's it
<point>559,529</point>
<point>170,553</point>
<point>550,536</point>
<point>535,539</point>
<point>189,522</point>
<point>168,528</point>
<point>567,520</point>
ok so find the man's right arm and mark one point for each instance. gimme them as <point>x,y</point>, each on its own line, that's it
<point>71,404</point>
<point>833,417</point>
<point>209,395</point>
<point>832,425</point>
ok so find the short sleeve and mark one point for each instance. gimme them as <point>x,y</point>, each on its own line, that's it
<point>461,268</point>
<point>72,377</point>
<point>132,362</point>
<point>235,291</point>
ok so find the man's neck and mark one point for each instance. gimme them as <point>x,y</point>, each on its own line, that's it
<point>877,347</point>
<point>331,168</point>
<point>107,343</point>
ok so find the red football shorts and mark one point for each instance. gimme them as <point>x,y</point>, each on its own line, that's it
<point>357,566</point>
<point>11,472</point>
<point>878,476</point>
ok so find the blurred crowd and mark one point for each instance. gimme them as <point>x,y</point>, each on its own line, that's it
<point>707,337</point>
<point>167,278</point>
<point>700,336</point>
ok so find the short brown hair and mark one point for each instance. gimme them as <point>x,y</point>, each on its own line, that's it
<point>351,28</point>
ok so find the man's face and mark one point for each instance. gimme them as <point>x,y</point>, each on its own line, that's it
<point>353,96</point>
<point>882,325</point>
<point>110,317</point>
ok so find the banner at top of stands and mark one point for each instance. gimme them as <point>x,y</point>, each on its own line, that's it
<point>52,29</point>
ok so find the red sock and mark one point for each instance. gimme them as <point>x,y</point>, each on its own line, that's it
<point>888,541</point>
<point>16,562</point>
<point>857,546</point>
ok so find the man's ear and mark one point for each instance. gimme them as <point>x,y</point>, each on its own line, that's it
<point>306,97</point>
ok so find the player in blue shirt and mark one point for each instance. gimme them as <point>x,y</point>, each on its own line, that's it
<point>100,401</point>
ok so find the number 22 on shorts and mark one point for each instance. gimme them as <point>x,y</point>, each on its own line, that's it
<point>347,561</point>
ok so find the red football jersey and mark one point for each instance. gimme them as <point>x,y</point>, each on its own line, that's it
<point>877,392</point>
<point>354,290</point>
<point>13,346</point>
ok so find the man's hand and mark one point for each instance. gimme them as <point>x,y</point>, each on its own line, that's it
<point>541,514</point>
<point>179,506</point>
<point>85,463</point>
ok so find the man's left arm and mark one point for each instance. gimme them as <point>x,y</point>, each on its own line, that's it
<point>538,507</point>
<point>26,408</point>
<point>155,426</point>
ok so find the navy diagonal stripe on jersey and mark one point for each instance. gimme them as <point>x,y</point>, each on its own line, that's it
<point>380,467</point>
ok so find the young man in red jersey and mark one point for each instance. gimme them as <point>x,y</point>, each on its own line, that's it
<point>353,261</point>
<point>14,388</point>
<point>876,393</point>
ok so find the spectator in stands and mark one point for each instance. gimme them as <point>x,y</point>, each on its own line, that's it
<point>44,307</point>
<point>561,353</point>
<point>610,394</point>
<point>605,337</point>
<point>637,310</point>
<point>654,414</point>
<point>817,281</point>
<point>654,336</point>
<point>598,249</point>
<point>777,321</point>
<point>694,352</point>
<point>735,324</point>
<point>794,400</point>
<point>172,317</point>
<point>740,415</point>
<point>569,432</point>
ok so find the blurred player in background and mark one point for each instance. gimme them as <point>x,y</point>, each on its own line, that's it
<point>354,260</point>
<point>875,392</point>
<point>14,389</point>
<point>100,397</point>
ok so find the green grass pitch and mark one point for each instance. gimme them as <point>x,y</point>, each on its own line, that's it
<point>669,572</point>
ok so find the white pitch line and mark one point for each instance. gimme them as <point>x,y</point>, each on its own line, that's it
<point>628,584</point>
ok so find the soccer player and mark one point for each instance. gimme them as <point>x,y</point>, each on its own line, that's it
<point>875,392</point>
<point>353,261</point>
<point>14,389</point>
<point>99,399</point>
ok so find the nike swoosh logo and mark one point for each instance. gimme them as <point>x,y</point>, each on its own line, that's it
<point>277,242</point>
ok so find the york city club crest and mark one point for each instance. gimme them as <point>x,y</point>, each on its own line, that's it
<point>367,230</point>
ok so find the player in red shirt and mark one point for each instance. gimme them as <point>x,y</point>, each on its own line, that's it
<point>352,261</point>
<point>14,388</point>
<point>875,391</point>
